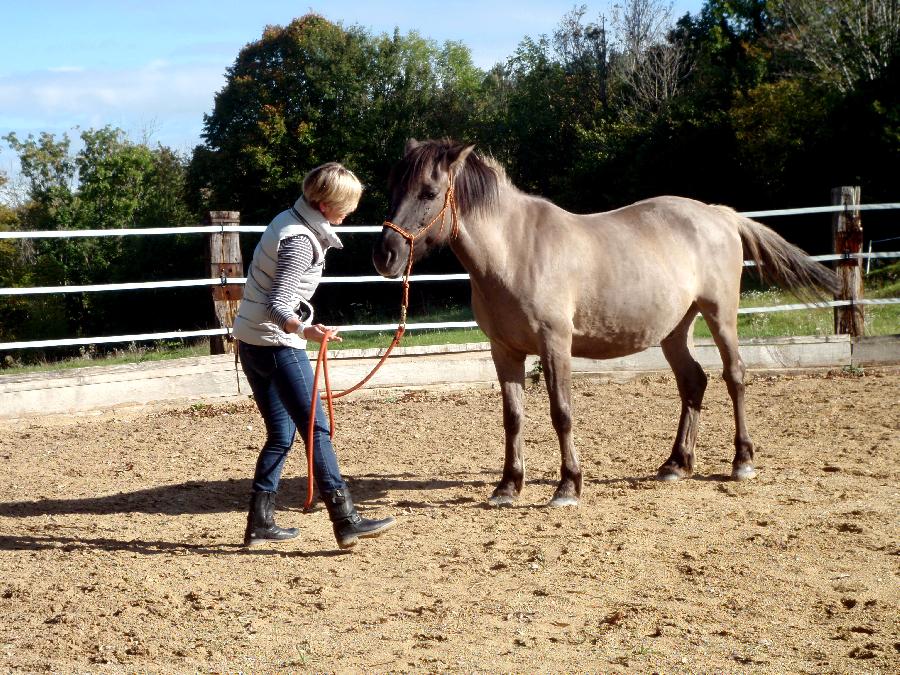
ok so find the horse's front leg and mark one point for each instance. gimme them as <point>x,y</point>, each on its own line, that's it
<point>556,360</point>
<point>510,367</point>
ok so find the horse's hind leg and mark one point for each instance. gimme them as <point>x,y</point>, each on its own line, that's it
<point>722,321</point>
<point>691,385</point>
<point>510,368</point>
<point>556,360</point>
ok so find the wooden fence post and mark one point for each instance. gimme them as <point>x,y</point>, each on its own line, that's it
<point>225,262</point>
<point>847,237</point>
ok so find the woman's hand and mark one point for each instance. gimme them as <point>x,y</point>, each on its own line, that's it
<point>316,333</point>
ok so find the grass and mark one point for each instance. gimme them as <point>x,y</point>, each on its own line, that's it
<point>883,282</point>
<point>880,320</point>
<point>159,351</point>
<point>448,336</point>
<point>430,336</point>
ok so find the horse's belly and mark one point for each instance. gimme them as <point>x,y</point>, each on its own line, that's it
<point>605,328</point>
<point>609,347</point>
<point>612,336</point>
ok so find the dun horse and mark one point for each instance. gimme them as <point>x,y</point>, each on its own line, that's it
<point>552,283</point>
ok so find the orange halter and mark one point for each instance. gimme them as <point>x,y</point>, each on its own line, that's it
<point>322,360</point>
<point>449,203</point>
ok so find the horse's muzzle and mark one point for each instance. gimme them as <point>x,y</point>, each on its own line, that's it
<point>389,254</point>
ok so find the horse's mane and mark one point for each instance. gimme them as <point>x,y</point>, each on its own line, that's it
<point>477,187</point>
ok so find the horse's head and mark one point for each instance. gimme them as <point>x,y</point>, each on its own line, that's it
<point>429,188</point>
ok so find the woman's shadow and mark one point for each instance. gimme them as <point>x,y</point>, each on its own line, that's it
<point>192,497</point>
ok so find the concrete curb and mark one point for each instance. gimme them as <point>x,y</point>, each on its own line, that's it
<point>215,377</point>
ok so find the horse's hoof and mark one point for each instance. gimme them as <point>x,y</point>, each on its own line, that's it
<point>743,472</point>
<point>671,474</point>
<point>501,500</point>
<point>560,502</point>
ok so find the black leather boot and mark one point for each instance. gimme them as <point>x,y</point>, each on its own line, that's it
<point>348,524</point>
<point>261,527</point>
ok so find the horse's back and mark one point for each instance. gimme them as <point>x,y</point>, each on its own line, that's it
<point>620,281</point>
<point>649,263</point>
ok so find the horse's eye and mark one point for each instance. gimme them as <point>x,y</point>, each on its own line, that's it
<point>427,195</point>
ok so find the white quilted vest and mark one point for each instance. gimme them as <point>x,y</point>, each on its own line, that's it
<point>252,324</point>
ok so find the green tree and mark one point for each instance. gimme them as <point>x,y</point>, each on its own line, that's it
<point>292,100</point>
<point>728,45</point>
<point>12,270</point>
<point>776,126</point>
<point>314,91</point>
<point>109,183</point>
<point>49,168</point>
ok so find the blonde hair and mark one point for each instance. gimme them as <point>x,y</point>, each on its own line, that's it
<point>334,185</point>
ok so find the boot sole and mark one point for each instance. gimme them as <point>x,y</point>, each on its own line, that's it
<point>253,543</point>
<point>350,543</point>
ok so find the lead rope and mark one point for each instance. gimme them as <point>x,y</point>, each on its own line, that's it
<point>322,359</point>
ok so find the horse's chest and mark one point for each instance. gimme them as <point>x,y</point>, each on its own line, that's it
<point>507,318</point>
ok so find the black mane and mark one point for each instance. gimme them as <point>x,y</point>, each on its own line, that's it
<point>476,187</point>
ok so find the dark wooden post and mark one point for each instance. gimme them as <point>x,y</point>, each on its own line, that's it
<point>847,236</point>
<point>225,262</point>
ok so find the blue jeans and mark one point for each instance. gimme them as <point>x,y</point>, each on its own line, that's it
<point>281,379</point>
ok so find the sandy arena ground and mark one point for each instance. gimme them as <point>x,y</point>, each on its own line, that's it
<point>119,539</point>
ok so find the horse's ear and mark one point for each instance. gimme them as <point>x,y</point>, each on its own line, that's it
<point>457,162</point>
<point>411,145</point>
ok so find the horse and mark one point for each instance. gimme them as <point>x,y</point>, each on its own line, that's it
<point>552,283</point>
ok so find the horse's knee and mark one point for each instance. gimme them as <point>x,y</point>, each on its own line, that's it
<point>735,372</point>
<point>512,420</point>
<point>695,386</point>
<point>700,378</point>
<point>561,416</point>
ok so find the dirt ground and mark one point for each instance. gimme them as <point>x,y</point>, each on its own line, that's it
<point>119,537</point>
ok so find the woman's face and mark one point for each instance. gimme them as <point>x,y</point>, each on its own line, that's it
<point>333,214</point>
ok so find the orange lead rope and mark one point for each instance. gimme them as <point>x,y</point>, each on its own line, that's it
<point>322,360</point>
<point>322,365</point>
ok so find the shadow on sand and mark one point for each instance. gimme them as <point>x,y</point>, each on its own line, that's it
<point>218,496</point>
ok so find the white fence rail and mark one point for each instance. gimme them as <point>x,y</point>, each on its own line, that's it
<point>206,229</point>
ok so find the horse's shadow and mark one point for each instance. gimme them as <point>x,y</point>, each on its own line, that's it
<point>221,496</point>
<point>713,478</point>
<point>203,497</point>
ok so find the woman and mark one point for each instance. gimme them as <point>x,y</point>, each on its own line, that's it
<point>273,324</point>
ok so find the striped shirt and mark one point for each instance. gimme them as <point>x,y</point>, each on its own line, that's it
<point>295,256</point>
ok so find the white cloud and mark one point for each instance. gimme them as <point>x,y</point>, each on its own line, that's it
<point>175,96</point>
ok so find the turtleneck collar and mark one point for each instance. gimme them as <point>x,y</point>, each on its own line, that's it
<point>317,223</point>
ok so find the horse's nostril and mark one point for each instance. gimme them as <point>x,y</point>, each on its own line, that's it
<point>384,258</point>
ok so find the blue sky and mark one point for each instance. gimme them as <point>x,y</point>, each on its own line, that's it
<point>152,68</point>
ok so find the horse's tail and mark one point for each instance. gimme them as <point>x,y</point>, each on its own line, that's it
<point>780,262</point>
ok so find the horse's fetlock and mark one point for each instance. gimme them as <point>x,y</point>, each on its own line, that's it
<point>744,451</point>
<point>577,480</point>
<point>507,491</point>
